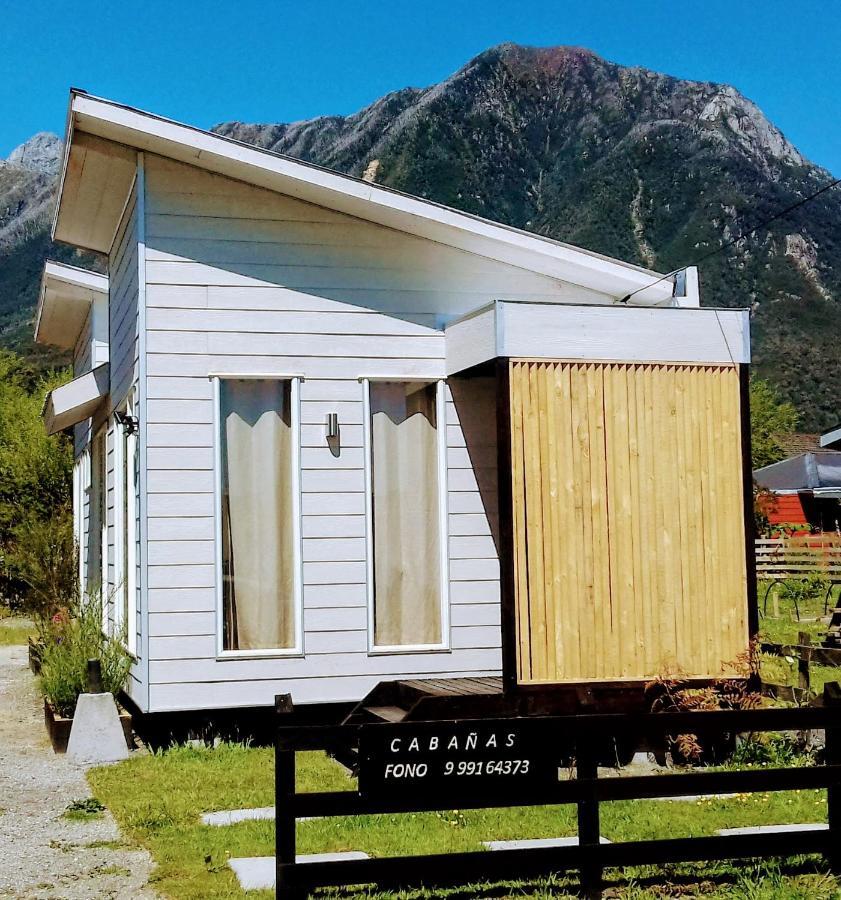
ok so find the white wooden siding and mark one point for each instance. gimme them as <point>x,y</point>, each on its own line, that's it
<point>125,273</point>
<point>82,363</point>
<point>241,281</point>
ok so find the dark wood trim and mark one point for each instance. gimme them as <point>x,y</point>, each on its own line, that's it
<point>507,590</point>
<point>750,522</point>
<point>584,736</point>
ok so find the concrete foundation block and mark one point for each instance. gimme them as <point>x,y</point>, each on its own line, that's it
<point>96,735</point>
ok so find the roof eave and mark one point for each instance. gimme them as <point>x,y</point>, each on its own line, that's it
<point>57,276</point>
<point>131,128</point>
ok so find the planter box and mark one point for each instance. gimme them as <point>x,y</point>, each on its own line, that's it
<point>58,727</point>
<point>35,650</point>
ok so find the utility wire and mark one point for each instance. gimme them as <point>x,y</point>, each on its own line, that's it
<point>744,234</point>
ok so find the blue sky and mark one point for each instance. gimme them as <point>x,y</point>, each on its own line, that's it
<point>204,63</point>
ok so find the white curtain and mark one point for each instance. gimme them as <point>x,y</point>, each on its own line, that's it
<point>407,564</point>
<point>257,515</point>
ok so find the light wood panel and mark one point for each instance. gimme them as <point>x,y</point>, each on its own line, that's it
<point>629,525</point>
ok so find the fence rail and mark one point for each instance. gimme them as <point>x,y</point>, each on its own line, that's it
<point>781,559</point>
<point>584,735</point>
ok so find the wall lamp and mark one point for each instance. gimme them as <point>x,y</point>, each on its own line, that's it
<point>129,424</point>
<point>332,426</point>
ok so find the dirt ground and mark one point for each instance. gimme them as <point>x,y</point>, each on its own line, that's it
<point>43,854</point>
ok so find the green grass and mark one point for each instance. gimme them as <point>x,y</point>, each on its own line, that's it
<point>785,630</point>
<point>158,800</point>
<point>13,631</point>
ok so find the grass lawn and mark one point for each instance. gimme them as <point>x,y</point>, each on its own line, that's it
<point>158,800</point>
<point>784,630</point>
<point>14,630</point>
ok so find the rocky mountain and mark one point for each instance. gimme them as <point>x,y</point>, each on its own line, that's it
<point>625,161</point>
<point>27,199</point>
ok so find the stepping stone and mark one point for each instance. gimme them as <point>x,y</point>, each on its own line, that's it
<point>232,816</point>
<point>776,829</point>
<point>257,873</point>
<point>537,842</point>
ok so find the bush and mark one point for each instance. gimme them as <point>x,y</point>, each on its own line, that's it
<point>768,749</point>
<point>73,639</point>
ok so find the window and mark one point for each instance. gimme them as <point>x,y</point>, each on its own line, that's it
<point>407,515</point>
<point>259,511</point>
<point>97,542</point>
<point>127,474</point>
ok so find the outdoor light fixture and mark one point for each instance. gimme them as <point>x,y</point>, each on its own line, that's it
<point>332,426</point>
<point>130,424</point>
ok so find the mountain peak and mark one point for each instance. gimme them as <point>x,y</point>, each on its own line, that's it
<point>41,153</point>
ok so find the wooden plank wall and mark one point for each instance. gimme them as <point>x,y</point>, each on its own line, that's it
<point>628,520</point>
<point>240,280</point>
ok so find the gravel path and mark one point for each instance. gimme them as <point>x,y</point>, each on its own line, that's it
<point>44,856</point>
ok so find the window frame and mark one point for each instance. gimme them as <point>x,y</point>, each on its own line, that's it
<point>125,528</point>
<point>297,542</point>
<point>99,467</point>
<point>444,646</point>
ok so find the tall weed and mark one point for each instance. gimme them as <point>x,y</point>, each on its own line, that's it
<point>74,639</point>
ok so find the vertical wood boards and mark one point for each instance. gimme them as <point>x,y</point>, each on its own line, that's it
<point>628,520</point>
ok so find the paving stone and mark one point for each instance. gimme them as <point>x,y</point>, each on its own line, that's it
<point>537,842</point>
<point>257,873</point>
<point>232,816</point>
<point>776,829</point>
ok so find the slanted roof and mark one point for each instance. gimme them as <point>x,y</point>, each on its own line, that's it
<point>67,293</point>
<point>818,473</point>
<point>99,167</point>
<point>75,401</point>
<point>798,442</point>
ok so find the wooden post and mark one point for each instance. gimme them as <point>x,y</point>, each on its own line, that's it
<point>589,827</point>
<point>284,803</point>
<point>505,501</point>
<point>804,658</point>
<point>95,676</point>
<point>832,700</point>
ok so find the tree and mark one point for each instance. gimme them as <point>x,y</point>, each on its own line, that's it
<point>770,418</point>
<point>35,487</point>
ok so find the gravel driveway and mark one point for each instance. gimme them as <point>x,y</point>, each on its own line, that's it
<point>42,854</point>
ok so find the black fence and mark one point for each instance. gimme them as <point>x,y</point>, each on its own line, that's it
<point>472,764</point>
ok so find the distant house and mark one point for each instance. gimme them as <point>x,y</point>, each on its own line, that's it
<point>328,434</point>
<point>798,442</point>
<point>807,490</point>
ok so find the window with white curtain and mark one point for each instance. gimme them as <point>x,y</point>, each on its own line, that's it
<point>259,515</point>
<point>407,556</point>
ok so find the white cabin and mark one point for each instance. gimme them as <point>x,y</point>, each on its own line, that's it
<point>286,413</point>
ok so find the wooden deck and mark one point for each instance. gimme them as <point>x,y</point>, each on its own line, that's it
<point>429,698</point>
<point>455,687</point>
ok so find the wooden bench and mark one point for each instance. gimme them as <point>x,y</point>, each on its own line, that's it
<point>780,559</point>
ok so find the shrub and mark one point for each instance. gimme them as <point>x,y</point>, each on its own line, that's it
<point>768,749</point>
<point>74,638</point>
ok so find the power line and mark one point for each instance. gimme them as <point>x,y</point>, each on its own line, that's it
<point>730,243</point>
